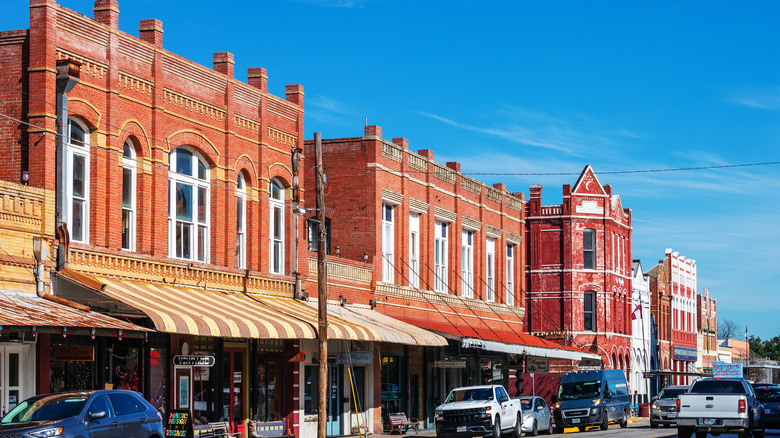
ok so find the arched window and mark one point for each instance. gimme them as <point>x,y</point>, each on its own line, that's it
<point>589,248</point>
<point>188,199</point>
<point>241,222</point>
<point>277,228</point>
<point>78,181</point>
<point>128,196</point>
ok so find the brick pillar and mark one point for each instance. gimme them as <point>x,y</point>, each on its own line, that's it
<point>224,63</point>
<point>107,12</point>
<point>151,31</point>
<point>258,78</point>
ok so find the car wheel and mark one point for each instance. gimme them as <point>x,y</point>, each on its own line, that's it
<point>549,428</point>
<point>558,427</point>
<point>497,427</point>
<point>701,434</point>
<point>653,424</point>
<point>582,428</point>
<point>534,429</point>
<point>684,432</point>
<point>517,432</point>
<point>604,421</point>
<point>624,420</point>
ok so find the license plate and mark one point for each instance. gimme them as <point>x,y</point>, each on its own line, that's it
<point>709,421</point>
<point>460,429</point>
<point>671,415</point>
<point>575,420</point>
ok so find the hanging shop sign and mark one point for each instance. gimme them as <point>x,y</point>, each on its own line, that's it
<point>194,361</point>
<point>450,364</point>
<point>72,353</point>
<point>354,358</point>
<point>179,423</point>
<point>726,370</point>
<point>537,365</point>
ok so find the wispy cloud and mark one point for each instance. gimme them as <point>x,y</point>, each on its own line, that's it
<point>759,98</point>
<point>328,110</point>
<point>577,137</point>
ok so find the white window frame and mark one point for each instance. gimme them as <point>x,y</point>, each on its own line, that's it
<point>200,226</point>
<point>414,249</point>
<point>241,222</point>
<point>593,249</point>
<point>277,240</point>
<point>78,151</point>
<point>589,297</point>
<point>129,164</point>
<point>490,269</point>
<point>440,257</point>
<point>388,243</point>
<point>510,275</point>
<point>467,263</point>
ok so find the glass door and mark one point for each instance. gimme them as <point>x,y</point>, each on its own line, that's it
<point>335,406</point>
<point>232,389</point>
<point>10,377</point>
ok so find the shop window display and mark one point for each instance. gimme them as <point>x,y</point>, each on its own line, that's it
<point>269,392</point>
<point>72,367</point>
<point>157,379</point>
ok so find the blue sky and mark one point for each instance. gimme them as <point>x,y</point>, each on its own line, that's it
<point>534,87</point>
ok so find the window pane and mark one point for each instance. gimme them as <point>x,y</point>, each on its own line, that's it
<point>77,134</point>
<point>277,257</point>
<point>240,214</point>
<point>127,219</point>
<point>201,170</point>
<point>587,239</point>
<point>183,231</point>
<point>78,221</point>
<point>277,223</point>
<point>588,260</point>
<point>202,243</point>
<point>127,152</point>
<point>79,182</point>
<point>183,162</point>
<point>127,188</point>
<point>203,202</point>
<point>276,191</point>
<point>183,202</point>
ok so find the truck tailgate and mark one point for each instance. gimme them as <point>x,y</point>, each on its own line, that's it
<point>710,406</point>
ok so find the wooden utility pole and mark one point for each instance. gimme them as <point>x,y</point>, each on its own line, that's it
<point>322,288</point>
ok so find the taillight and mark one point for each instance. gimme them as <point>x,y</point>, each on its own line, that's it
<point>742,406</point>
<point>678,405</point>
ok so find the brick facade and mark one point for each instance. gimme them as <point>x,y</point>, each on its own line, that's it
<point>562,273</point>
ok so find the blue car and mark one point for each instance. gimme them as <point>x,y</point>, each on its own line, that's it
<point>769,396</point>
<point>94,414</point>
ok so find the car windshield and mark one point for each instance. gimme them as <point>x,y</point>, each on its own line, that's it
<point>47,408</point>
<point>470,394</point>
<point>525,404</point>
<point>671,393</point>
<point>768,394</point>
<point>579,390</point>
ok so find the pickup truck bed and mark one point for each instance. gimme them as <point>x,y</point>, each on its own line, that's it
<point>719,406</point>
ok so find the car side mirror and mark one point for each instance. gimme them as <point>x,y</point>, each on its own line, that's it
<point>652,400</point>
<point>607,394</point>
<point>539,408</point>
<point>96,415</point>
<point>503,399</point>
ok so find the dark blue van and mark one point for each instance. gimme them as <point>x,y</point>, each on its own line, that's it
<point>588,398</point>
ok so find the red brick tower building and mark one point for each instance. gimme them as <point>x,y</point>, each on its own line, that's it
<point>661,307</point>
<point>579,270</point>
<point>707,328</point>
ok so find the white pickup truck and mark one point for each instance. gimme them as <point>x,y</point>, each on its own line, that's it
<point>484,410</point>
<point>719,405</point>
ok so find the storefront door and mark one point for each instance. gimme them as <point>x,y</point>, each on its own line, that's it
<point>12,364</point>
<point>233,386</point>
<point>335,373</point>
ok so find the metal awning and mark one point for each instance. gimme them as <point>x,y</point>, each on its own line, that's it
<point>386,328</point>
<point>549,353</point>
<point>23,310</point>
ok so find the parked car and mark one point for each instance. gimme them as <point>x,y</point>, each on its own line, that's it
<point>769,396</point>
<point>759,385</point>
<point>716,405</point>
<point>588,398</point>
<point>96,414</point>
<point>484,410</point>
<point>536,416</point>
<point>663,410</point>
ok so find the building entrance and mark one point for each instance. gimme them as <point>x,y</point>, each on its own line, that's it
<point>15,378</point>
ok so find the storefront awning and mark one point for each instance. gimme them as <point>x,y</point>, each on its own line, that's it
<point>18,309</point>
<point>209,312</point>
<point>385,328</point>
<point>549,353</point>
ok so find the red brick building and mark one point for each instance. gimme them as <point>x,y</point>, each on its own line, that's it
<point>707,331</point>
<point>661,307</point>
<point>579,270</point>
<point>446,253</point>
<point>176,212</point>
<point>682,281</point>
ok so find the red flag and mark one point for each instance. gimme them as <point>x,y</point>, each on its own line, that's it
<point>633,314</point>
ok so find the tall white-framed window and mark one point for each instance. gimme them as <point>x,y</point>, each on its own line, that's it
<point>277,227</point>
<point>588,307</point>
<point>78,181</point>
<point>388,243</point>
<point>440,257</point>
<point>490,269</point>
<point>128,196</point>
<point>189,215</point>
<point>589,248</point>
<point>414,249</point>
<point>510,275</point>
<point>467,263</point>
<point>241,222</point>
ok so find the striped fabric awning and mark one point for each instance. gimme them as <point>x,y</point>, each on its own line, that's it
<point>386,328</point>
<point>206,312</point>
